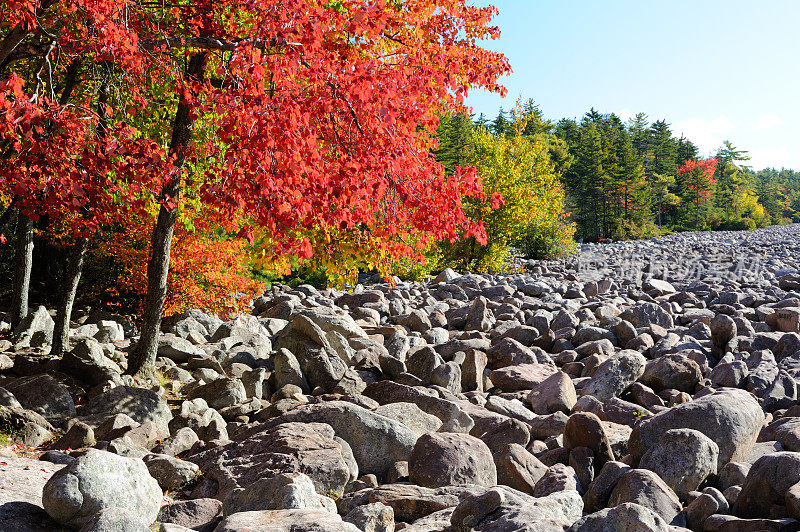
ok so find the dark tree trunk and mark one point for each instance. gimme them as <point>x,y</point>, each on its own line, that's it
<point>11,41</point>
<point>74,270</point>
<point>141,360</point>
<point>71,279</point>
<point>22,270</point>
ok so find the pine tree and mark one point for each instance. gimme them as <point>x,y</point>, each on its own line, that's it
<point>637,128</point>
<point>730,176</point>
<point>453,134</point>
<point>535,124</point>
<point>632,188</point>
<point>588,181</point>
<point>661,187</point>
<point>502,125</point>
<point>663,150</point>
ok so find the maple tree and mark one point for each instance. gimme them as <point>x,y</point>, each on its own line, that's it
<point>296,116</point>
<point>697,181</point>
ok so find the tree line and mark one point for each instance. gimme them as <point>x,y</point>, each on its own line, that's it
<point>637,179</point>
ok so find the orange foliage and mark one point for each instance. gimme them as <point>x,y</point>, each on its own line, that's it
<point>205,272</point>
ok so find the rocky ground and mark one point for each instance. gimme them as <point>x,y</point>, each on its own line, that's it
<point>648,385</point>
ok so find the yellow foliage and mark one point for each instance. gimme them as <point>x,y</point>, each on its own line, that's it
<point>748,206</point>
<point>517,168</point>
<point>339,254</point>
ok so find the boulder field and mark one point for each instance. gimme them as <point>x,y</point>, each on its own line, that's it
<point>641,385</point>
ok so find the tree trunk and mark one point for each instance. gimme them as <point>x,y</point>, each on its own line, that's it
<point>659,213</point>
<point>22,270</point>
<point>11,41</point>
<point>74,270</point>
<point>71,279</point>
<point>141,360</point>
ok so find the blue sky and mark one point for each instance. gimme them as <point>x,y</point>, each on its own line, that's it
<point>714,69</point>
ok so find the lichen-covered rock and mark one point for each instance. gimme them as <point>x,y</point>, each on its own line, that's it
<point>99,480</point>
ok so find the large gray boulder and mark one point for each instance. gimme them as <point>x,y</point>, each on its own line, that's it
<point>262,452</point>
<point>377,441</point>
<point>221,393</point>
<point>646,313</point>
<point>683,458</point>
<point>767,483</point>
<point>451,459</point>
<point>113,519</point>
<point>319,361</point>
<point>44,395</point>
<point>454,417</point>
<point>284,491</point>
<point>197,514</point>
<point>645,488</point>
<point>283,520</point>
<point>630,517</point>
<point>731,418</point>
<point>519,512</point>
<point>411,416</point>
<point>88,362</point>
<point>140,404</point>
<point>555,394</point>
<point>178,348</point>
<point>99,480</point>
<point>35,330</point>
<point>615,374</point>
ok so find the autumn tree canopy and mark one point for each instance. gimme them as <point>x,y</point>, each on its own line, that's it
<point>291,115</point>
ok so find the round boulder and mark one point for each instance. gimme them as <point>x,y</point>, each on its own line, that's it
<point>731,418</point>
<point>628,516</point>
<point>683,458</point>
<point>451,459</point>
<point>767,483</point>
<point>99,480</point>
<point>645,488</point>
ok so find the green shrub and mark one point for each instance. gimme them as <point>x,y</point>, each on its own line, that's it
<point>546,242</point>
<point>629,229</point>
<point>740,224</point>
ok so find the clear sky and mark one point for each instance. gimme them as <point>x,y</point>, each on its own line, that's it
<point>714,69</point>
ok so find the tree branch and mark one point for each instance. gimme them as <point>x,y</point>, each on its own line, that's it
<point>18,34</point>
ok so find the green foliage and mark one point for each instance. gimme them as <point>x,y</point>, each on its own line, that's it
<point>421,268</point>
<point>742,224</point>
<point>623,181</point>
<point>627,229</point>
<point>546,241</point>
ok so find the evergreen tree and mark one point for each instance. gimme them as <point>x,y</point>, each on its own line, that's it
<point>453,133</point>
<point>731,179</point>
<point>535,124</point>
<point>567,129</point>
<point>632,189</point>
<point>587,180</point>
<point>502,125</point>
<point>638,130</point>
<point>481,121</point>
<point>662,147</point>
<point>685,149</point>
<point>661,187</point>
